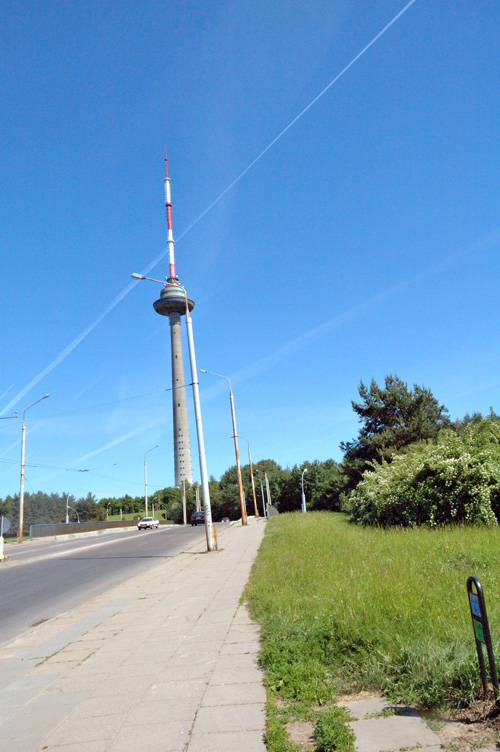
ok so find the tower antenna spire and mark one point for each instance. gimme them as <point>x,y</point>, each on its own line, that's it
<point>170,236</point>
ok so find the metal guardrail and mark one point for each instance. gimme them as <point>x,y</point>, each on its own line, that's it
<point>43,531</point>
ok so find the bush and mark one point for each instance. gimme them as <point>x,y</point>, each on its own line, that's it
<point>456,480</point>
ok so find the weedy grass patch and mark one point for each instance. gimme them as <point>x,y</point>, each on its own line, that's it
<point>345,608</point>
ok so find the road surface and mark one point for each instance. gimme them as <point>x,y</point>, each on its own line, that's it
<point>45,578</point>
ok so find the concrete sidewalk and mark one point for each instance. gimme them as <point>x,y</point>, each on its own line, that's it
<point>165,662</point>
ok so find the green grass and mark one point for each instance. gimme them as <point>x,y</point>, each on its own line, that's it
<point>331,733</point>
<point>345,608</point>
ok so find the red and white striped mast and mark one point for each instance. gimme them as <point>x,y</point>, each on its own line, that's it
<point>170,235</point>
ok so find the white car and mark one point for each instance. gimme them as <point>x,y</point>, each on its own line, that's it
<point>148,523</point>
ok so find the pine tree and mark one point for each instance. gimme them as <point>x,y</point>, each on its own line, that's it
<point>392,418</point>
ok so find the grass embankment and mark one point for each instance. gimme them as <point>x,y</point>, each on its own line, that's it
<point>345,608</point>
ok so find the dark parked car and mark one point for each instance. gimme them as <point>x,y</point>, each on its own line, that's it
<point>198,518</point>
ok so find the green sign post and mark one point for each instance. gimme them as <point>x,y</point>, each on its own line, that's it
<point>482,634</point>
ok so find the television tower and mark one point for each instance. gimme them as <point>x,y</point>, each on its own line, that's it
<point>172,303</point>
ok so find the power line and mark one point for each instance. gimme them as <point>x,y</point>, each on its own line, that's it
<point>106,404</point>
<point>46,467</point>
<point>76,470</point>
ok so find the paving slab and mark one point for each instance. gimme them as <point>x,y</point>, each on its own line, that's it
<point>22,690</point>
<point>236,741</point>
<point>176,709</point>
<point>229,718</point>
<point>230,694</point>
<point>74,631</point>
<point>170,691</point>
<point>43,714</point>
<point>361,709</point>
<point>83,746</point>
<point>234,675</point>
<point>74,729</point>
<point>157,737</point>
<point>111,685</point>
<point>94,707</point>
<point>238,648</point>
<point>392,734</point>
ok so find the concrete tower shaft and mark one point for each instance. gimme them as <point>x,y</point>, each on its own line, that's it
<point>182,449</point>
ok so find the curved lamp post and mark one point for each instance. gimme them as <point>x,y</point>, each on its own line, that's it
<point>251,476</point>
<point>268,492</point>
<point>67,507</point>
<point>236,450</point>
<point>76,512</point>
<point>21,493</point>
<point>146,480</point>
<point>263,500</point>
<point>303,495</point>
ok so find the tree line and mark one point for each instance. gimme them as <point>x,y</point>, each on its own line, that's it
<point>42,509</point>
<point>409,464</point>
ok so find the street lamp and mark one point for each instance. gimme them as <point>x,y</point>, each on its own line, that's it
<point>146,480</point>
<point>303,495</point>
<point>251,476</point>
<point>67,500</point>
<point>76,512</point>
<point>263,501</point>
<point>21,494</point>
<point>236,451</point>
<point>268,492</point>
<point>134,275</point>
<point>197,497</point>
<point>9,417</point>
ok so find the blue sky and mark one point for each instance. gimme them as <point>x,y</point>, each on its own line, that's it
<point>364,242</point>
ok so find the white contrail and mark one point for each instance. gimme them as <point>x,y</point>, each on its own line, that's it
<point>70,347</point>
<point>305,339</point>
<point>120,439</point>
<point>6,391</point>
<point>297,117</point>
<point>29,431</point>
<point>125,292</point>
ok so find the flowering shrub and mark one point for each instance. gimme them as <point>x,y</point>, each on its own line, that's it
<point>456,479</point>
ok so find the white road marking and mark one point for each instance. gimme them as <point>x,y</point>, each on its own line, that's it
<point>69,552</point>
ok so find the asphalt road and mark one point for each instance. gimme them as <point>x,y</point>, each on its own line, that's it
<point>43,579</point>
